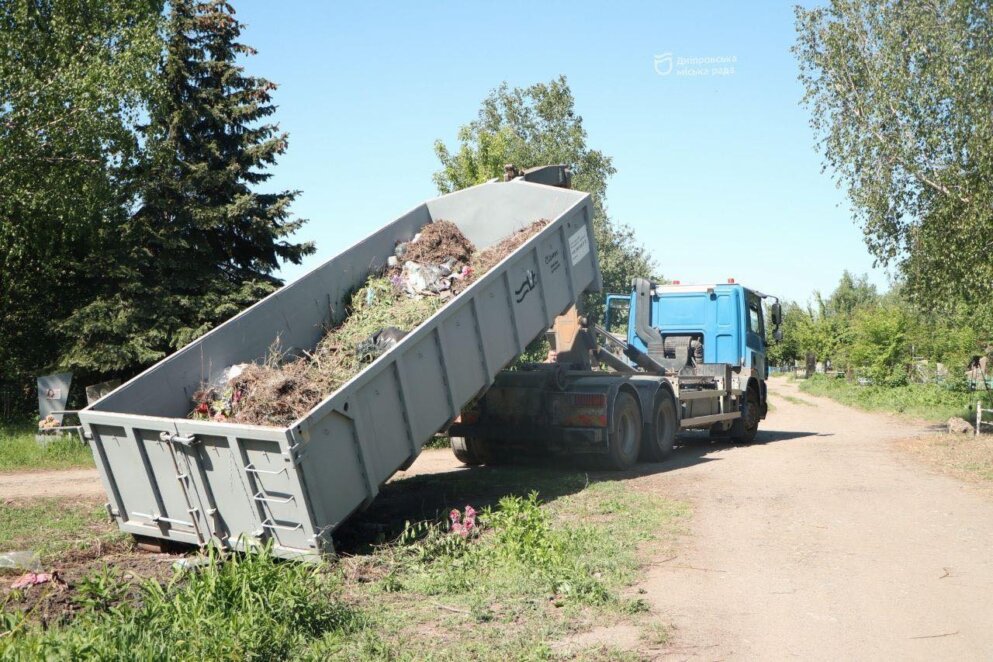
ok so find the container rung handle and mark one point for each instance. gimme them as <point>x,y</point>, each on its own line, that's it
<point>250,468</point>
<point>266,499</point>
<point>158,518</point>
<point>269,525</point>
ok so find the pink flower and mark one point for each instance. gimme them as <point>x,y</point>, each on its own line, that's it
<point>455,516</point>
<point>470,512</point>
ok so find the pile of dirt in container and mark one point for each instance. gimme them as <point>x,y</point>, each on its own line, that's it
<point>436,243</point>
<point>421,277</point>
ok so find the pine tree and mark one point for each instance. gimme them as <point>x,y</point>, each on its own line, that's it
<point>203,243</point>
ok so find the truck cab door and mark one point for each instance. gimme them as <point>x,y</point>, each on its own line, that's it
<point>754,333</point>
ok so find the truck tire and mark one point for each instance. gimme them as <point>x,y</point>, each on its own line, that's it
<point>625,432</point>
<point>658,446</point>
<point>468,450</point>
<point>744,429</point>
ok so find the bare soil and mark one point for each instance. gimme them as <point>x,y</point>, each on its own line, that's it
<point>83,483</point>
<point>963,456</point>
<point>57,601</point>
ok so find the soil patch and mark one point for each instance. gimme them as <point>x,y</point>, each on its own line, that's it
<point>122,567</point>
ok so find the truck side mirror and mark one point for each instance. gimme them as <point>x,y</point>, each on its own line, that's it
<point>777,314</point>
<point>777,335</point>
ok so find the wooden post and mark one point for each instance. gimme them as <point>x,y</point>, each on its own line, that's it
<point>979,416</point>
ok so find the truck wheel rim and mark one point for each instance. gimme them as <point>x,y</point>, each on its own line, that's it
<point>661,428</point>
<point>626,432</point>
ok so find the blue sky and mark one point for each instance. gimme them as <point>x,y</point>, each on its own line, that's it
<point>718,174</point>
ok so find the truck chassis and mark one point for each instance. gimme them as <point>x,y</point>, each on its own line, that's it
<point>589,400</point>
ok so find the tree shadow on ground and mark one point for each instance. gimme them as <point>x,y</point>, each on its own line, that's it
<point>431,496</point>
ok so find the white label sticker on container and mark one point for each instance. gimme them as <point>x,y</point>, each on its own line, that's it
<point>579,245</point>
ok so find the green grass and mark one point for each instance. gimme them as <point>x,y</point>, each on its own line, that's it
<point>50,526</point>
<point>928,401</point>
<point>19,451</point>
<point>537,572</point>
<point>247,607</point>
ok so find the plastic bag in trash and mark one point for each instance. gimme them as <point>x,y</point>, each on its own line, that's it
<point>424,278</point>
<point>378,343</point>
<point>226,376</point>
<point>21,560</point>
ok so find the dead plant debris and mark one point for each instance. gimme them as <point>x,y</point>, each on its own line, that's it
<point>420,278</point>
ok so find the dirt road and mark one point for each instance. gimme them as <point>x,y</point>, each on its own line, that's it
<point>822,541</point>
<point>68,483</point>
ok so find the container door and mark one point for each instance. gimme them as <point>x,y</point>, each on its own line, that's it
<point>194,487</point>
<point>160,501</point>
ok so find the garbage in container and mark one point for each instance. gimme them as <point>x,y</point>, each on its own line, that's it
<point>378,343</point>
<point>438,263</point>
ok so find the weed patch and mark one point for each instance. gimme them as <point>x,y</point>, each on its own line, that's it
<point>928,401</point>
<point>19,450</point>
<point>246,607</point>
<point>52,526</point>
<point>502,583</point>
<point>794,400</point>
<point>533,573</point>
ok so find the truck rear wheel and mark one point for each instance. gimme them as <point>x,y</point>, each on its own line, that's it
<point>659,444</point>
<point>625,432</point>
<point>744,429</point>
<point>468,450</point>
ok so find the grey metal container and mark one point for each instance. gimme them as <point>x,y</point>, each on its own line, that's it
<point>191,481</point>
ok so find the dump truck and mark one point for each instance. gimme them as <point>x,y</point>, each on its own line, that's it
<point>688,357</point>
<point>171,478</point>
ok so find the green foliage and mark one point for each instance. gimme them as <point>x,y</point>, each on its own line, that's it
<point>488,593</point>
<point>19,450</point>
<point>936,402</point>
<point>74,78</point>
<point>882,337</point>
<point>131,149</point>
<point>879,343</point>
<point>901,95</point>
<point>202,243</point>
<point>524,551</point>
<point>535,126</point>
<point>102,590</point>
<point>244,607</point>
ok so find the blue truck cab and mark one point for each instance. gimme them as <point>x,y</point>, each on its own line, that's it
<point>697,330</point>
<point>727,318</point>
